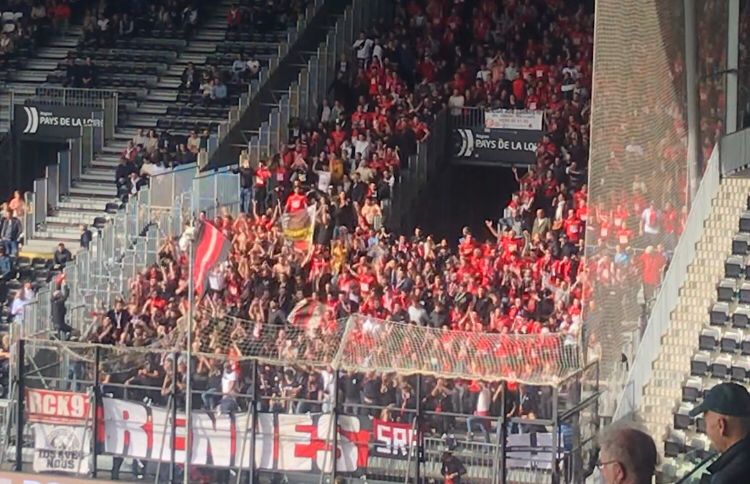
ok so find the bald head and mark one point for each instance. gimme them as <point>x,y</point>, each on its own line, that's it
<point>627,456</point>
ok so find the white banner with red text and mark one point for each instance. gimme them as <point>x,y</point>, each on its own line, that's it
<point>62,434</point>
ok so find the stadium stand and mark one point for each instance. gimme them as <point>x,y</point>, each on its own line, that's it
<point>33,35</point>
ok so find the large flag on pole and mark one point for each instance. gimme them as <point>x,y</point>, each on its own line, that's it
<point>298,228</point>
<point>211,248</point>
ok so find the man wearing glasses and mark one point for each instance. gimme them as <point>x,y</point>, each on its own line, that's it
<point>626,456</point>
<point>726,409</point>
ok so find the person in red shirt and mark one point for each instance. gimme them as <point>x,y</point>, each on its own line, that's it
<point>297,201</point>
<point>234,18</point>
<point>573,226</point>
<point>652,264</point>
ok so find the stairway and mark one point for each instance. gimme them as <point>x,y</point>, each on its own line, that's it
<point>150,100</point>
<point>34,72</point>
<point>663,392</point>
<point>286,74</point>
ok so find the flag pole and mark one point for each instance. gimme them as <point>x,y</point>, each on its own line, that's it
<point>189,379</point>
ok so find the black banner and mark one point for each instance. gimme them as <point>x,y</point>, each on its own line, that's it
<point>495,146</point>
<point>57,122</point>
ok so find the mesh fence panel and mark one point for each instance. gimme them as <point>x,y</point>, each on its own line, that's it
<point>638,156</point>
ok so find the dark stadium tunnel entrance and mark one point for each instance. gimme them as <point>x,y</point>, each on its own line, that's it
<point>466,196</point>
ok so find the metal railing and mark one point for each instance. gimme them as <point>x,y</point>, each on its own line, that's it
<point>553,446</point>
<point>49,191</point>
<point>735,152</point>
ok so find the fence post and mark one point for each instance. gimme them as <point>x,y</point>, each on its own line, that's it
<point>418,426</point>
<point>502,432</point>
<point>95,408</point>
<point>253,420</point>
<point>555,433</point>
<point>18,466</point>
<point>173,432</point>
<point>335,418</point>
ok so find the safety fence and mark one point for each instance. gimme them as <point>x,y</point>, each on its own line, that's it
<point>385,426</point>
<point>49,191</point>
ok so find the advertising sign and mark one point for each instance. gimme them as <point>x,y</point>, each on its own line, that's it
<point>59,122</point>
<point>495,146</point>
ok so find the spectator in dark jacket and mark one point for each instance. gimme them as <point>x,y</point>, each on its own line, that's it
<point>10,232</point>
<point>62,256</point>
<point>86,237</point>
<point>59,311</point>
<point>727,413</point>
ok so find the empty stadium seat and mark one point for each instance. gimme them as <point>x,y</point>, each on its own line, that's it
<point>719,314</point>
<point>700,424</point>
<point>734,266</point>
<point>741,316</point>
<point>682,420</point>
<point>721,366</point>
<point>731,341</point>
<point>745,293</point>
<point>692,390</point>
<point>674,444</point>
<point>745,221</point>
<point>740,244</point>
<point>698,445</point>
<point>745,348</point>
<point>726,290</point>
<point>740,369</point>
<point>709,339</point>
<point>699,364</point>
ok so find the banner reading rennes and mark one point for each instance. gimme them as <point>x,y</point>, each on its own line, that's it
<point>282,442</point>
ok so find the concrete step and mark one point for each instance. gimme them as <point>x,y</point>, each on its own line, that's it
<point>86,204</point>
<point>94,190</point>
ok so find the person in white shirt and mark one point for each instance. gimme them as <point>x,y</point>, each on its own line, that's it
<point>511,72</point>
<point>484,399</point>
<point>253,65</point>
<point>377,51</point>
<point>363,48</point>
<point>239,66</point>
<point>650,221</point>
<point>361,146</point>
<point>456,103</point>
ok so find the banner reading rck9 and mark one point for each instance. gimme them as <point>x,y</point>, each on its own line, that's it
<point>49,406</point>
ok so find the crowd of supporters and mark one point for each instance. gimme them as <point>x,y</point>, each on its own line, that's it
<point>526,278</point>
<point>149,154</point>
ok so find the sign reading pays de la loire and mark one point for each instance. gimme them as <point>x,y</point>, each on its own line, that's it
<point>495,146</point>
<point>51,121</point>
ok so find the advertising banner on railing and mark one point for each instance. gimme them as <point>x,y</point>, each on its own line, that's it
<point>514,119</point>
<point>495,146</point>
<point>62,431</point>
<point>38,120</point>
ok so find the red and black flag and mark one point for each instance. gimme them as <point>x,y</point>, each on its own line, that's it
<point>211,248</point>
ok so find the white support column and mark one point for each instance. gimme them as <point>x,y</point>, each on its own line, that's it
<point>693,113</point>
<point>733,54</point>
